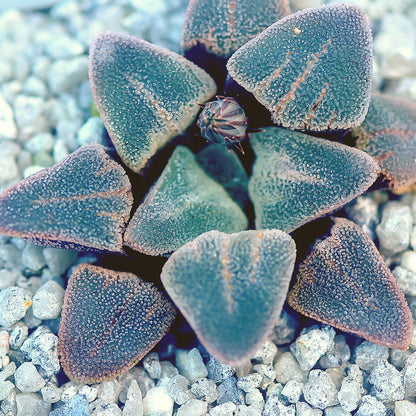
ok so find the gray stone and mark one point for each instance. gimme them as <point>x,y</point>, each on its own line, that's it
<point>274,389</point>
<point>252,410</point>
<point>274,406</point>
<point>51,393</point>
<point>99,407</point>
<point>254,397</point>
<point>265,354</point>
<point>190,364</point>
<point>336,411</point>
<point>152,365</point>
<point>69,390</point>
<point>157,402</point>
<point>64,47</point>
<point>139,374</point>
<point>8,278</point>
<point>367,355</point>
<point>228,392</point>
<point>48,300</point>
<point>31,404</point>
<point>41,348</point>
<point>388,383</point>
<point>27,378</point>
<point>32,257</point>
<point>35,86</point>
<point>250,382</point>
<point>10,255</point>
<point>370,406</point>
<point>18,335</point>
<point>134,402</point>
<point>205,389</point>
<point>224,409</point>
<point>193,407</point>
<point>41,142</point>
<point>339,354</point>
<point>178,389</point>
<point>285,328</point>
<point>287,368</point>
<point>319,391</point>
<point>90,392</point>
<point>92,131</point>
<point>108,391</point>
<point>312,344</point>
<point>29,114</point>
<point>60,150</point>
<point>409,373</point>
<point>267,372</point>
<point>30,320</point>
<point>5,388</point>
<point>217,371</point>
<point>8,129</point>
<point>8,371</point>
<point>394,229</point>
<point>292,391</point>
<point>404,408</point>
<point>14,302</point>
<point>349,396</point>
<point>364,212</point>
<point>78,405</point>
<point>303,409</point>
<point>406,280</point>
<point>59,260</point>
<point>398,357</point>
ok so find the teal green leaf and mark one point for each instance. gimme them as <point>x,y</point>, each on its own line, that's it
<point>221,27</point>
<point>145,94</point>
<point>183,203</point>
<point>388,134</point>
<point>225,167</point>
<point>297,178</point>
<point>231,288</point>
<point>110,320</point>
<point>345,283</point>
<point>83,202</point>
<point>312,69</point>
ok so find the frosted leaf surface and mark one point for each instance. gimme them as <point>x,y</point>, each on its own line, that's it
<point>183,203</point>
<point>345,283</point>
<point>312,69</point>
<point>231,288</point>
<point>145,94</point>
<point>110,320</point>
<point>297,178</point>
<point>83,202</point>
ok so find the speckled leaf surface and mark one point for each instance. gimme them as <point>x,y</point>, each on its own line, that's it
<point>231,288</point>
<point>183,203</point>
<point>145,94</point>
<point>389,135</point>
<point>221,27</point>
<point>345,283</point>
<point>225,167</point>
<point>83,202</point>
<point>297,178</point>
<point>110,320</point>
<point>312,69</point>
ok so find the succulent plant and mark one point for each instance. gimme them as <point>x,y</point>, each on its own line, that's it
<point>172,195</point>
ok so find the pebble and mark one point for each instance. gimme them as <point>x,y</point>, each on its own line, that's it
<point>152,365</point>
<point>157,402</point>
<point>394,229</point>
<point>14,303</point>
<point>336,356</point>
<point>64,47</point>
<point>228,392</point>
<point>274,406</point>
<point>178,389</point>
<point>31,404</point>
<point>409,373</point>
<point>90,392</point>
<point>143,380</point>
<point>99,407</point>
<point>265,354</point>
<point>336,411</point>
<point>8,278</point>
<point>41,142</point>
<point>205,389</point>
<point>267,372</point>
<point>27,378</point>
<point>254,397</point>
<point>59,260</point>
<point>30,115</point>
<point>9,170</point>
<point>249,382</point>
<point>406,280</point>
<point>311,345</point>
<point>134,402</point>
<point>368,354</point>
<point>32,257</point>
<point>404,408</point>
<point>108,391</point>
<point>41,348</point>
<point>398,357</point>
<point>292,391</point>
<point>8,129</point>
<point>388,383</point>
<point>5,388</point>
<point>193,407</point>
<point>91,131</point>
<point>51,393</point>
<point>287,368</point>
<point>48,300</point>
<point>218,371</point>
<point>224,409</point>
<point>303,409</point>
<point>319,390</point>
<point>8,371</point>
<point>18,335</point>
<point>285,328</point>
<point>349,395</point>
<point>364,212</point>
<point>370,406</point>
<point>167,372</point>
<point>190,364</point>
<point>78,405</point>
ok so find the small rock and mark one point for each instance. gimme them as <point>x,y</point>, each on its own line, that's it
<point>193,407</point>
<point>339,354</point>
<point>64,47</point>
<point>319,391</point>
<point>205,389</point>
<point>287,368</point>
<point>406,280</point>
<point>92,131</point>
<point>303,409</point>
<point>409,373</point>
<point>349,396</point>
<point>108,391</point>
<point>178,389</point>
<point>152,365</point>
<point>139,374</point>
<point>51,393</point>
<point>267,372</point>
<point>8,278</point>
<point>292,391</point>
<point>285,328</point>
<point>404,408</point>
<point>5,388</point>
<point>224,409</point>
<point>27,378</point>
<point>48,300</point>
<point>190,364</point>
<point>254,397</point>
<point>217,371</point>
<point>78,405</point>
<point>364,212</point>
<point>32,257</point>
<point>370,406</point>
<point>394,229</point>
<point>31,404</point>
<point>388,382</point>
<point>167,372</point>
<point>250,382</point>
<point>336,411</point>
<point>14,302</point>
<point>274,406</point>
<point>367,355</point>
<point>9,170</point>
<point>8,129</point>
<point>99,407</point>
<point>134,402</point>
<point>265,354</point>
<point>59,260</point>
<point>8,371</point>
<point>157,402</point>
<point>18,335</point>
<point>29,114</point>
<point>35,86</point>
<point>311,344</point>
<point>398,357</point>
<point>90,392</point>
<point>228,392</point>
<point>69,390</point>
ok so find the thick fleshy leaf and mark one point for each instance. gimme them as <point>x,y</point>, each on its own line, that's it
<point>110,320</point>
<point>389,135</point>
<point>145,94</point>
<point>297,178</point>
<point>345,283</point>
<point>221,27</point>
<point>231,288</point>
<point>83,202</point>
<point>225,167</point>
<point>312,69</point>
<point>183,203</point>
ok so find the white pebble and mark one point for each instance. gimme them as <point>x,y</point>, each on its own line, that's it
<point>27,378</point>
<point>404,408</point>
<point>134,402</point>
<point>190,364</point>
<point>157,402</point>
<point>8,129</point>
<point>14,302</point>
<point>48,300</point>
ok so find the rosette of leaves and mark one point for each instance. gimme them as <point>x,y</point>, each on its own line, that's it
<point>309,70</point>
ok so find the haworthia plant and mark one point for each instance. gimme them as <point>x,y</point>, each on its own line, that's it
<point>231,288</point>
<point>312,69</point>
<point>226,168</point>
<point>145,94</point>
<point>183,203</point>
<point>389,135</point>
<point>83,202</point>
<point>221,27</point>
<point>110,320</point>
<point>345,283</point>
<point>297,178</point>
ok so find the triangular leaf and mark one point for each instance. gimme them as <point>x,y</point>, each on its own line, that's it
<point>231,288</point>
<point>297,178</point>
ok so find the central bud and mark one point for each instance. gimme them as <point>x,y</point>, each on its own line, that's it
<point>223,121</point>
